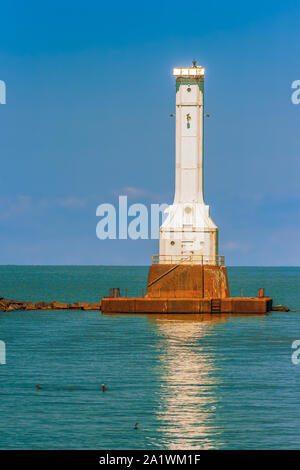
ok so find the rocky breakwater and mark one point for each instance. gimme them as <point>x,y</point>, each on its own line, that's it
<point>9,305</point>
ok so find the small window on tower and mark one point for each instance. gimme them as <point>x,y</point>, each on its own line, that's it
<point>188,120</point>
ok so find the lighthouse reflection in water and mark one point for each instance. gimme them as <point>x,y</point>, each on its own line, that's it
<point>187,399</point>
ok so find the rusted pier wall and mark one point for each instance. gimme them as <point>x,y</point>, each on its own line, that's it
<point>187,281</point>
<point>184,305</point>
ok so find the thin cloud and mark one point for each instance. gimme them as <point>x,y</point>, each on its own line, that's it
<point>21,204</point>
<point>15,206</point>
<point>235,246</point>
<point>134,192</point>
<point>72,202</point>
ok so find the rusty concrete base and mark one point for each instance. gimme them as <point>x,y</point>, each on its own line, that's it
<point>187,289</point>
<point>168,305</point>
<point>187,281</point>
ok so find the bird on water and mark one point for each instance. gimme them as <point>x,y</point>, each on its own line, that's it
<point>136,426</point>
<point>38,387</point>
<point>103,388</point>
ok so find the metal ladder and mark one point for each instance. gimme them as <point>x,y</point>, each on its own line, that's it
<point>215,305</point>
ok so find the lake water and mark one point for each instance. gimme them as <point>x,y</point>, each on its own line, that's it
<point>192,382</point>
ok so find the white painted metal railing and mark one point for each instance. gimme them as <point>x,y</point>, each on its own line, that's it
<point>218,260</point>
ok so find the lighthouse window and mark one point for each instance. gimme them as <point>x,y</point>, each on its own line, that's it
<point>188,119</point>
<point>172,243</point>
<point>188,89</point>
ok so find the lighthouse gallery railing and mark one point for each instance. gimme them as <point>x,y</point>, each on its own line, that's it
<point>218,260</point>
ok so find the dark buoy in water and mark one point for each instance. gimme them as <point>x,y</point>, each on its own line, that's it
<point>103,388</point>
<point>136,426</point>
<point>38,387</point>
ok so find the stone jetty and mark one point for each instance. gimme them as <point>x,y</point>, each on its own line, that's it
<point>9,305</point>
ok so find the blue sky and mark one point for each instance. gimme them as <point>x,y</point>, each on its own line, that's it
<point>89,93</point>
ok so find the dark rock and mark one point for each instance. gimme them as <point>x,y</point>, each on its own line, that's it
<point>84,306</point>
<point>8,305</point>
<point>59,305</point>
<point>12,307</point>
<point>77,305</point>
<point>29,306</point>
<point>92,306</point>
<point>5,302</point>
<point>280,308</point>
<point>43,306</point>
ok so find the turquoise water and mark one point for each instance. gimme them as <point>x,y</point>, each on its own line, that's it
<point>192,382</point>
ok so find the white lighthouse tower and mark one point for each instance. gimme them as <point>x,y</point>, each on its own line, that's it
<point>188,234</point>
<point>188,275</point>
